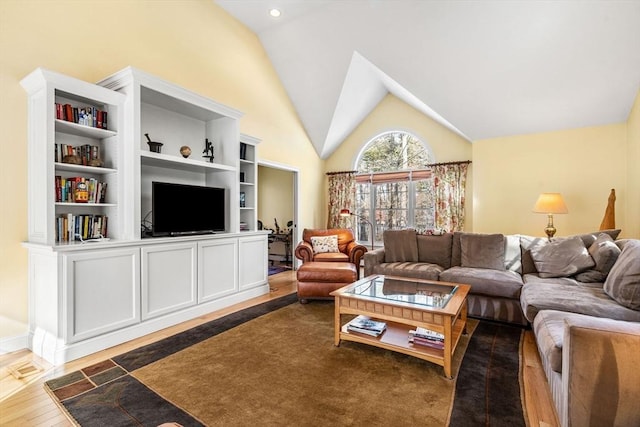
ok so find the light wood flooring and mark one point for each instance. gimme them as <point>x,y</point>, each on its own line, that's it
<point>32,406</point>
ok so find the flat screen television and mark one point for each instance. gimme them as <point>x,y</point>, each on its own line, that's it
<point>181,209</point>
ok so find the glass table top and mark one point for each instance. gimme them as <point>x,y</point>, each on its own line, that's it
<point>406,290</point>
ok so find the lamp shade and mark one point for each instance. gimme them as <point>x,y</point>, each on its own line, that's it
<point>550,203</point>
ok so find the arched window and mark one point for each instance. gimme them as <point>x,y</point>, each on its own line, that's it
<point>394,188</point>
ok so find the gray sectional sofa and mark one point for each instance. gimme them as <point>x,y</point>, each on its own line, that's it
<point>580,295</point>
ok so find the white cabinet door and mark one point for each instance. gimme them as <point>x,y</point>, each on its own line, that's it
<point>217,268</point>
<point>253,261</point>
<point>168,278</point>
<point>101,291</point>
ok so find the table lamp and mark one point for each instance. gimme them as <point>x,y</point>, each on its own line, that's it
<point>550,203</point>
<point>347,212</point>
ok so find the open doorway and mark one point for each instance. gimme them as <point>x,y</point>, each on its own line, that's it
<point>278,212</point>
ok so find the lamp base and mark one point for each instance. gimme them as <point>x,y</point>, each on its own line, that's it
<point>550,230</point>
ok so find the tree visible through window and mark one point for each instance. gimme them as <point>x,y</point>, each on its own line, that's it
<point>394,186</point>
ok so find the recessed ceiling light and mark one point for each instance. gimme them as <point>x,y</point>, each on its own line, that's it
<point>275,13</point>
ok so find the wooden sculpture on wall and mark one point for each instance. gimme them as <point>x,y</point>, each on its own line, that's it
<point>609,220</point>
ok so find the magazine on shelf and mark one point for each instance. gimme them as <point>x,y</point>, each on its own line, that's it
<point>365,325</point>
<point>427,333</point>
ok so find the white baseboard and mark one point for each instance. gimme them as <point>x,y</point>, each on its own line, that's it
<point>14,343</point>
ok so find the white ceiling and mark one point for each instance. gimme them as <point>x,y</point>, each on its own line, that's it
<point>484,68</point>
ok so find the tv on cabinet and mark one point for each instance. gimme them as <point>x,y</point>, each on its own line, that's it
<point>181,209</point>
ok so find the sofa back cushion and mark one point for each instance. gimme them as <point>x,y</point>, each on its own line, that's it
<point>604,252</point>
<point>623,281</point>
<point>561,257</point>
<point>435,249</point>
<point>400,245</point>
<point>528,242</point>
<point>482,251</point>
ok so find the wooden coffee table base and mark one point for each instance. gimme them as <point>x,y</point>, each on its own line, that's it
<point>402,317</point>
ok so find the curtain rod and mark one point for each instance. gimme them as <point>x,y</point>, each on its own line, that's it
<point>341,172</point>
<point>450,163</point>
<point>427,165</point>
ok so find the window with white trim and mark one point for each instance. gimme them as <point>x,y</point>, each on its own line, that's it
<point>394,188</point>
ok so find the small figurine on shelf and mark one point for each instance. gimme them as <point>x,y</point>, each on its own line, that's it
<point>208,150</point>
<point>275,223</point>
<point>154,146</point>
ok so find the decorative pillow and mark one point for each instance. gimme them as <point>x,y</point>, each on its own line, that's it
<point>623,281</point>
<point>322,244</point>
<point>589,238</point>
<point>482,251</point>
<point>400,245</point>
<point>562,257</point>
<point>604,252</point>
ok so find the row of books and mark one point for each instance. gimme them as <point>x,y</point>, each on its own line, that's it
<point>86,153</point>
<point>70,227</point>
<point>366,325</point>
<point>66,190</point>
<point>86,116</point>
<point>427,338</point>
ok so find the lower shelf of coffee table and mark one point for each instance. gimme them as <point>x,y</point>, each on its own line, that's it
<point>396,338</point>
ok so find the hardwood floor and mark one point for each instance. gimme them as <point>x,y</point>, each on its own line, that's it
<point>32,406</point>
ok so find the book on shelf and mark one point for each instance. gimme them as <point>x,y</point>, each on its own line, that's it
<point>427,342</point>
<point>70,227</point>
<point>65,189</point>
<point>426,337</point>
<point>86,153</point>
<point>87,116</point>
<point>366,325</point>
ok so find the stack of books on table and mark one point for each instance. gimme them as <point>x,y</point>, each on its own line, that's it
<point>364,325</point>
<point>426,337</point>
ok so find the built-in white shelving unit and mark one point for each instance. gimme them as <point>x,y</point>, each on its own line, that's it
<point>87,296</point>
<point>248,183</point>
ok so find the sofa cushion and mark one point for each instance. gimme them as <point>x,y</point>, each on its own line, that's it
<point>483,281</point>
<point>592,301</point>
<point>512,253</point>
<point>414,270</point>
<point>623,281</point>
<point>561,257</point>
<point>324,244</point>
<point>435,249</point>
<point>400,245</point>
<point>604,252</point>
<point>548,327</point>
<point>528,242</point>
<point>482,251</point>
<point>589,238</point>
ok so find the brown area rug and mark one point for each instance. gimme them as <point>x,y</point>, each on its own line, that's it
<point>277,365</point>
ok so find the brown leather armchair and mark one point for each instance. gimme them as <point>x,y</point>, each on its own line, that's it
<point>349,249</point>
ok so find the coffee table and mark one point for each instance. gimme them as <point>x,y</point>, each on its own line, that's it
<point>404,304</point>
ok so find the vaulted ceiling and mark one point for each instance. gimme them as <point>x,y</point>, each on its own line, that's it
<point>482,68</point>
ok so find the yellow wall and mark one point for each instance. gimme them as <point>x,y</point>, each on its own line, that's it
<point>193,43</point>
<point>393,114</point>
<point>582,164</point>
<point>632,208</point>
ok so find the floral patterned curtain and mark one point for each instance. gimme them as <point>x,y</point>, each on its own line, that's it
<point>342,194</point>
<point>449,183</point>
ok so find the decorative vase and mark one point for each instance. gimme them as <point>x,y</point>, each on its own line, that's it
<point>185,150</point>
